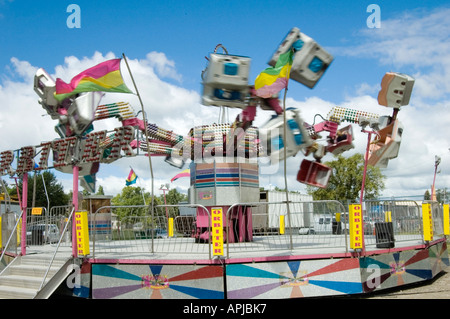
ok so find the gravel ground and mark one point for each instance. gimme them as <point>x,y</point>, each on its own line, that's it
<point>438,288</point>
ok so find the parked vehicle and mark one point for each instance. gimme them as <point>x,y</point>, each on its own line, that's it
<point>141,233</point>
<point>40,234</point>
<point>138,227</point>
<point>322,224</point>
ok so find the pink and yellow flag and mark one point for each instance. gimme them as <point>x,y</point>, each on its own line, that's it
<point>104,77</point>
<point>273,79</point>
<point>132,178</point>
<point>185,173</point>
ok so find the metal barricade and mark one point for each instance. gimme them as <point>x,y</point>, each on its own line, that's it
<point>58,245</point>
<point>437,212</point>
<point>61,215</point>
<point>13,239</point>
<point>46,227</point>
<point>308,226</point>
<point>391,221</point>
<point>136,231</point>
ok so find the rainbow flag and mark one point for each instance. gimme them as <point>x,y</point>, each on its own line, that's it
<point>132,177</point>
<point>273,79</point>
<point>104,77</point>
<point>185,173</point>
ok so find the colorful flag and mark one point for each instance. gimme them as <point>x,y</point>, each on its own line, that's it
<point>104,77</point>
<point>273,79</point>
<point>132,177</point>
<point>185,173</point>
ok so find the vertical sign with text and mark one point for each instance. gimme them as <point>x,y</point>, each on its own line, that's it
<point>427,218</point>
<point>217,230</point>
<point>170,227</point>
<point>282,226</point>
<point>446,220</point>
<point>82,231</point>
<point>356,227</point>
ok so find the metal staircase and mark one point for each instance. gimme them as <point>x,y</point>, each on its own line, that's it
<point>23,277</point>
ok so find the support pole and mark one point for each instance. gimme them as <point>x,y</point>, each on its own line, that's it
<point>75,206</point>
<point>23,241</point>
<point>361,198</point>
<point>285,159</point>
<point>144,118</point>
<point>437,161</point>
<point>366,159</point>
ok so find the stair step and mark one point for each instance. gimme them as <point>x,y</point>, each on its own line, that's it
<point>32,270</point>
<point>21,281</point>
<point>10,292</point>
<point>41,261</point>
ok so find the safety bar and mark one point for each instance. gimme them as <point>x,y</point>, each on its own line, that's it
<point>13,233</point>
<point>57,247</point>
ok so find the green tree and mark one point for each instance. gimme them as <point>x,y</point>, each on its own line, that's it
<point>52,189</point>
<point>173,197</point>
<point>84,192</point>
<point>346,180</point>
<point>441,195</point>
<point>133,196</point>
<point>100,191</point>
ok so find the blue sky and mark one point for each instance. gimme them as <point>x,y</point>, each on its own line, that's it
<point>167,41</point>
<point>185,31</point>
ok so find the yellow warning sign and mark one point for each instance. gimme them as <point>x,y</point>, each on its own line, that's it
<point>82,231</point>
<point>427,218</point>
<point>217,231</point>
<point>36,211</point>
<point>356,226</point>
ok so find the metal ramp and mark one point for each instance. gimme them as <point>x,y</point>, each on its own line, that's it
<point>22,278</point>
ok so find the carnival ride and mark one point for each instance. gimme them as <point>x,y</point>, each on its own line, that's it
<point>222,157</point>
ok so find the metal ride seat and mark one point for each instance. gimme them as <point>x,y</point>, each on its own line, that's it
<point>387,146</point>
<point>313,173</point>
<point>342,142</point>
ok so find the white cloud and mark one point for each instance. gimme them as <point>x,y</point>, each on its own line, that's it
<point>24,69</point>
<point>416,42</point>
<point>367,89</point>
<point>164,66</point>
<point>23,123</point>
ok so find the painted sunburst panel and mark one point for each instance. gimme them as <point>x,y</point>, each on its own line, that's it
<point>293,279</point>
<point>157,282</point>
<point>438,257</point>
<point>395,269</point>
